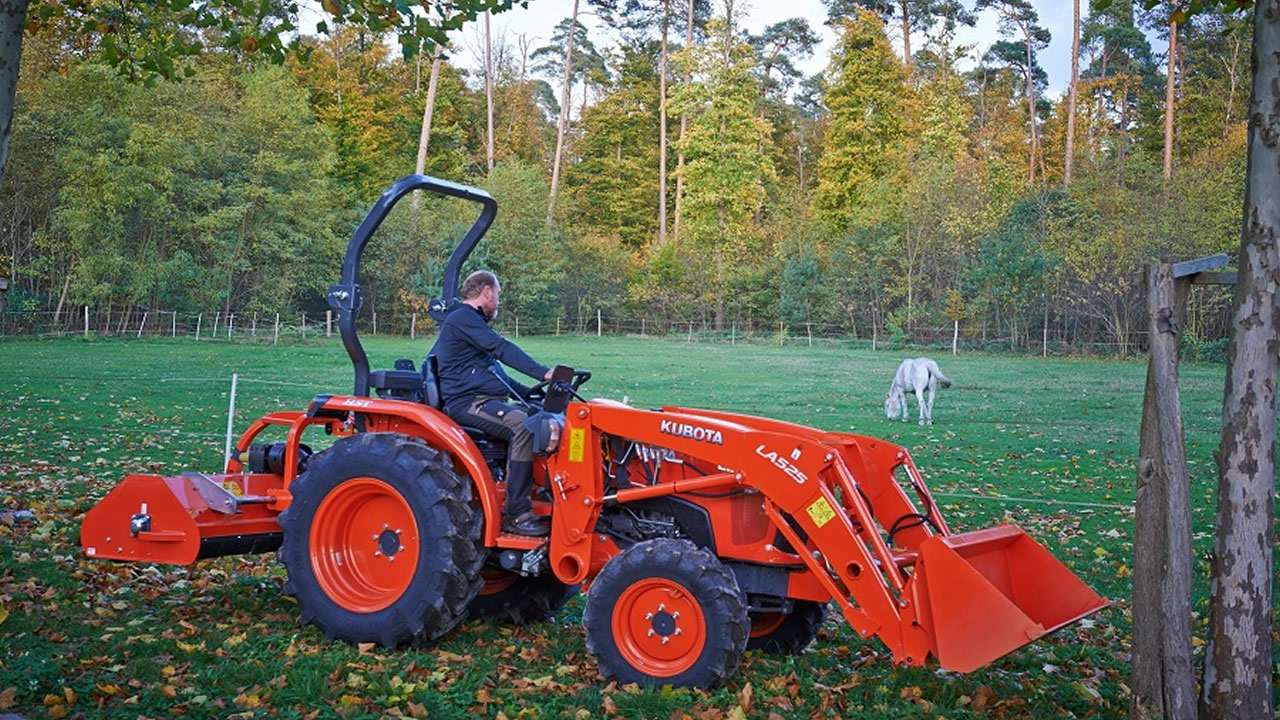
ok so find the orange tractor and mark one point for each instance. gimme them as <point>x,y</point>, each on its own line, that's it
<point>699,533</point>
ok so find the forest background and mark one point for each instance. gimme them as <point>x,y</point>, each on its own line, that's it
<point>879,197</point>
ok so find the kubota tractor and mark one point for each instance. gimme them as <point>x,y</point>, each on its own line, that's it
<point>699,533</point>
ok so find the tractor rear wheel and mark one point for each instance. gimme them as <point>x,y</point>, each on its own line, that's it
<point>512,597</point>
<point>666,612</point>
<point>382,542</point>
<point>787,633</point>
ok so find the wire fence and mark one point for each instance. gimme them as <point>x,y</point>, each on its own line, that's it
<point>274,328</point>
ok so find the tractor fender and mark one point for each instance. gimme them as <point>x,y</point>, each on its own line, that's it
<point>440,432</point>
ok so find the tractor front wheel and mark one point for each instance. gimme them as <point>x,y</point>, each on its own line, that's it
<point>666,612</point>
<point>787,633</point>
<point>381,541</point>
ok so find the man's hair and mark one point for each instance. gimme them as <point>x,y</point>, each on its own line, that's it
<point>476,282</point>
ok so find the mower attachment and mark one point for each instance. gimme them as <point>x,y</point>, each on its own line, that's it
<point>183,518</point>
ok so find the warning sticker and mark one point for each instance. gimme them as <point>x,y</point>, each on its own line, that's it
<point>821,512</point>
<point>233,487</point>
<point>577,443</point>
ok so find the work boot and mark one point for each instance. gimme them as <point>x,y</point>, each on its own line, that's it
<point>527,524</point>
<point>518,517</point>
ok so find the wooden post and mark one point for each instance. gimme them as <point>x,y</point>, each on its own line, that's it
<point>253,328</point>
<point>517,327</point>
<point>413,327</point>
<point>375,322</point>
<point>733,333</point>
<point>641,327</point>
<point>955,337</point>
<point>217,315</point>
<point>328,323</point>
<point>1163,684</point>
<point>86,321</point>
<point>231,323</point>
<point>690,331</point>
<point>174,330</point>
<point>808,327</point>
<point>1045,340</point>
<point>304,327</point>
<point>599,326</point>
<point>199,320</point>
<point>875,334</point>
<point>144,322</point>
<point>557,327</point>
<point>276,341</point>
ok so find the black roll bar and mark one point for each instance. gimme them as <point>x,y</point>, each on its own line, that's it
<point>345,296</point>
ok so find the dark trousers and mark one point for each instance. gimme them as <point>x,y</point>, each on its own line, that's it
<point>506,422</point>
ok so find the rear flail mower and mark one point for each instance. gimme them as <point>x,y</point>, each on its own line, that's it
<point>698,534</point>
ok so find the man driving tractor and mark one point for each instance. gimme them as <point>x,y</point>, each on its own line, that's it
<point>475,390</point>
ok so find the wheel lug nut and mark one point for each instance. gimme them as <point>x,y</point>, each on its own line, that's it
<point>648,616</point>
<point>665,639</point>
<point>661,607</point>
<point>650,633</point>
<point>678,631</point>
<point>675,615</point>
<point>377,553</point>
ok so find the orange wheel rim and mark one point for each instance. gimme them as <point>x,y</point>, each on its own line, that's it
<point>659,627</point>
<point>495,581</point>
<point>764,623</point>
<point>364,545</point>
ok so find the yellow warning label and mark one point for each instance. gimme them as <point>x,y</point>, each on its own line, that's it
<point>233,487</point>
<point>821,512</point>
<point>577,443</point>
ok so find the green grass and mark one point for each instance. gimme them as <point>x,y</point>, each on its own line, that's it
<point>1048,444</point>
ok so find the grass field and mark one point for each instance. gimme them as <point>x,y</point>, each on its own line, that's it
<point>1047,444</point>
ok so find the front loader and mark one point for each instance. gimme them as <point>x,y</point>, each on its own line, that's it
<point>697,534</point>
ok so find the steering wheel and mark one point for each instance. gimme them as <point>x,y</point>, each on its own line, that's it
<point>538,392</point>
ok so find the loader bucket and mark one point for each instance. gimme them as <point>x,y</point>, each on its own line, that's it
<point>181,519</point>
<point>985,593</point>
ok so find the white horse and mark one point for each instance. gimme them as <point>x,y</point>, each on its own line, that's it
<point>917,375</point>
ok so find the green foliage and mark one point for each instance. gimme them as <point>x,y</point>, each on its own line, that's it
<point>867,124</point>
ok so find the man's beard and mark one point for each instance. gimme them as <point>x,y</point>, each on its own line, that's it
<point>491,316</point>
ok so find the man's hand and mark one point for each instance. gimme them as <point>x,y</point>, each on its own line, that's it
<point>548,375</point>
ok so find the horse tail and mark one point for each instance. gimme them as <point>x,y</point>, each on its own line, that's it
<point>943,380</point>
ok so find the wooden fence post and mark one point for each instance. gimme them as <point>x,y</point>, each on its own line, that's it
<point>253,328</point>
<point>955,337</point>
<point>599,325</point>
<point>217,315</point>
<point>328,323</point>
<point>86,321</point>
<point>174,332</point>
<point>277,338</point>
<point>231,323</point>
<point>413,327</point>
<point>1163,683</point>
<point>199,320</point>
<point>144,322</point>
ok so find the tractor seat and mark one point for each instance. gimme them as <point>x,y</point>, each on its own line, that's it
<point>399,384</point>
<point>429,380</point>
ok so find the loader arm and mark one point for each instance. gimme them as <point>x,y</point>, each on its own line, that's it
<point>837,500</point>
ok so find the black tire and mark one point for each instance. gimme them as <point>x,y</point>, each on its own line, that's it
<point>789,634</point>
<point>619,596</point>
<point>446,575</point>
<point>525,600</point>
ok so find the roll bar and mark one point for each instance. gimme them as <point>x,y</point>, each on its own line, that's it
<point>345,296</point>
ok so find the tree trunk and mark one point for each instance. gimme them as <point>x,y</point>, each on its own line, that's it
<point>683,123</point>
<point>1031,107</point>
<point>1238,658</point>
<point>906,33</point>
<point>1163,686</point>
<point>564,113</point>
<point>1168,101</point>
<point>62,296</point>
<point>1231,96</point>
<point>424,136</point>
<point>1072,95</point>
<point>13,18</point>
<point>488,86</point>
<point>662,129</point>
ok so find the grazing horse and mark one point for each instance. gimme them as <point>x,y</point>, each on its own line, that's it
<point>917,375</point>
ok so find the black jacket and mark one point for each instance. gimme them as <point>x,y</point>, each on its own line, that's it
<point>466,350</point>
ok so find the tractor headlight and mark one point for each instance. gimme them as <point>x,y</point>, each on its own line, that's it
<point>546,429</point>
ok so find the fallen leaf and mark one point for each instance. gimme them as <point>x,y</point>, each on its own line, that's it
<point>7,698</point>
<point>744,697</point>
<point>3,614</point>
<point>416,710</point>
<point>366,648</point>
<point>610,707</point>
